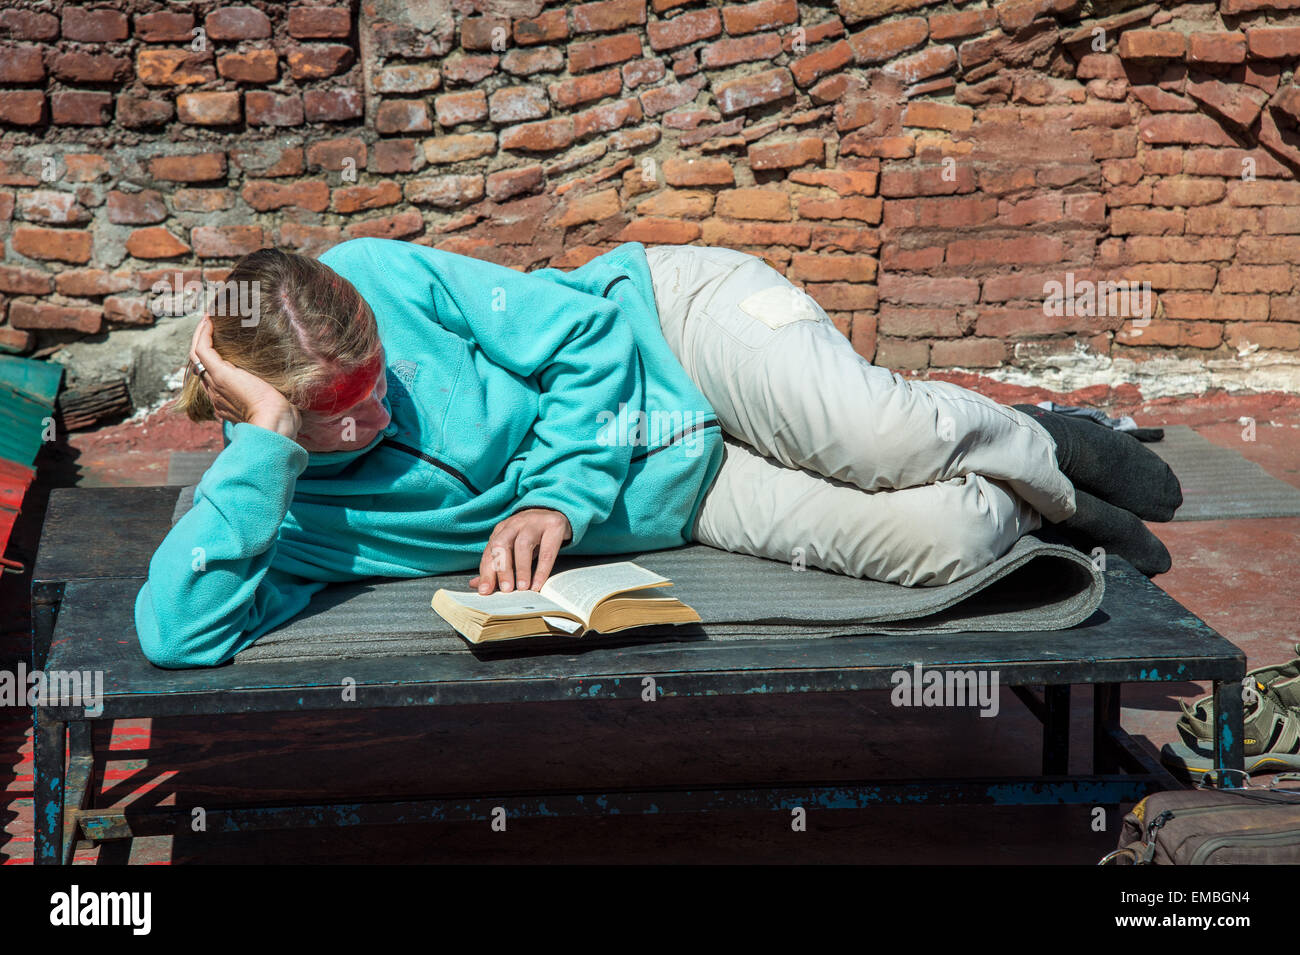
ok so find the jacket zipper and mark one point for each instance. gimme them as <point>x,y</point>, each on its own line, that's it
<point>675,438</point>
<point>432,460</point>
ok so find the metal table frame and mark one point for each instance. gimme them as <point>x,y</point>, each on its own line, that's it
<point>92,614</point>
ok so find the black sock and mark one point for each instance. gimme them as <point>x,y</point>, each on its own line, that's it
<point>1096,523</point>
<point>1111,464</point>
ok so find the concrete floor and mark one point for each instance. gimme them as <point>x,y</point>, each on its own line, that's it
<point>1236,575</point>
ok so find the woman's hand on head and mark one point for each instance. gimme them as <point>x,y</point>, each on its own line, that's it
<point>508,558</point>
<point>238,396</point>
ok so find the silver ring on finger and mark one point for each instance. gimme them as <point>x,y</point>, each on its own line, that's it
<point>199,369</point>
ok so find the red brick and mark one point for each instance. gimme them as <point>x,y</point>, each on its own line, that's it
<point>174,67</point>
<point>79,67</point>
<point>1134,221</point>
<point>27,25</point>
<point>1267,250</point>
<point>549,27</point>
<point>1180,128</point>
<point>640,72</point>
<point>923,65</point>
<point>755,203</point>
<point>332,106</point>
<point>226,242</point>
<point>17,280</point>
<point>307,239</point>
<point>237,23</point>
<point>468,70</point>
<point>1238,104</point>
<point>1256,278</point>
<point>407,80</point>
<point>698,172</point>
<point>314,23</point>
<point>1173,276</point>
<point>164,27</point>
<point>1231,163</point>
<point>929,114</point>
<point>924,290</point>
<point>968,353</point>
<point>659,232</point>
<point>458,148</point>
<point>845,182</point>
<point>729,51</point>
<point>136,208</point>
<point>1159,333</point>
<point>22,107</point>
<point>949,26</point>
<point>763,15</point>
<point>755,89</point>
<point>81,108</point>
<point>155,242</point>
<point>401,225</point>
<point>208,109</point>
<point>1206,306</point>
<point>1027,250</point>
<point>1186,191</point>
<point>23,64</point>
<point>584,89</point>
<point>1151,44</point>
<point>402,116</point>
<point>128,310</point>
<point>453,109</point>
<point>728,233</point>
<point>135,112</point>
<point>351,199</point>
<point>262,108</point>
<point>1216,47</point>
<point>517,104</point>
<point>254,66</point>
<point>601,119</point>
<point>1221,220</point>
<point>608,15</point>
<point>900,322</point>
<point>508,183</point>
<point>813,267</point>
<point>1273,42</point>
<point>926,180</point>
<point>78,282</point>
<point>901,354</point>
<point>544,136</point>
<point>25,315</point>
<point>810,68</point>
<point>484,33</point>
<point>337,154</point>
<point>684,29</point>
<point>880,43</point>
<point>593,54</point>
<point>312,195</point>
<point>1269,335</point>
<point>93,26</point>
<point>318,61</point>
<point>663,98</point>
<point>202,200</point>
<point>445,192</point>
<point>1277,220</point>
<point>64,245</point>
<point>790,155</point>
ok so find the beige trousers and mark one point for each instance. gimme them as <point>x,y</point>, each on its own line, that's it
<point>836,462</point>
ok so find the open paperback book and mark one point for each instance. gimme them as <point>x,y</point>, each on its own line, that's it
<point>603,599</point>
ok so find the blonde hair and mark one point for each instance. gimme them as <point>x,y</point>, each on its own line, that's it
<point>311,326</point>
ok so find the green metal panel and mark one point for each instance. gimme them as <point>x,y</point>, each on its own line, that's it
<point>27,392</point>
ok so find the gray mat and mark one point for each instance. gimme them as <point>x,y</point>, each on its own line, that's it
<point>1040,584</point>
<point>1218,483</point>
<point>186,467</point>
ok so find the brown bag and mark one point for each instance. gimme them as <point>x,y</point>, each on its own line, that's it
<point>1212,827</point>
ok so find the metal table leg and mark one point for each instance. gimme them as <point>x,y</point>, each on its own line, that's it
<point>47,792</point>
<point>1056,730</point>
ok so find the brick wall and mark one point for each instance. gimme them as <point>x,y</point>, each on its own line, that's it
<point>923,169</point>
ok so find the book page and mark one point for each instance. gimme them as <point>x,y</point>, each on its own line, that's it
<point>500,604</point>
<point>580,590</point>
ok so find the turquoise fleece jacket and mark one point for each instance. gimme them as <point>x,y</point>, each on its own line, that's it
<point>507,390</point>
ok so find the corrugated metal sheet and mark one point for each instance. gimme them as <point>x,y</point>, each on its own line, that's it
<point>27,392</point>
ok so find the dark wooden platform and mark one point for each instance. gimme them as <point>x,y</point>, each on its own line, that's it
<point>94,556</point>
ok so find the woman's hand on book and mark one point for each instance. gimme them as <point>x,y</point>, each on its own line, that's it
<point>237,395</point>
<point>508,558</point>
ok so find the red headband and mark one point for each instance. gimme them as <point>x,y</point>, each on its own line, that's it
<point>346,390</point>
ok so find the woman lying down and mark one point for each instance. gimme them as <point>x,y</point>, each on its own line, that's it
<point>395,410</point>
